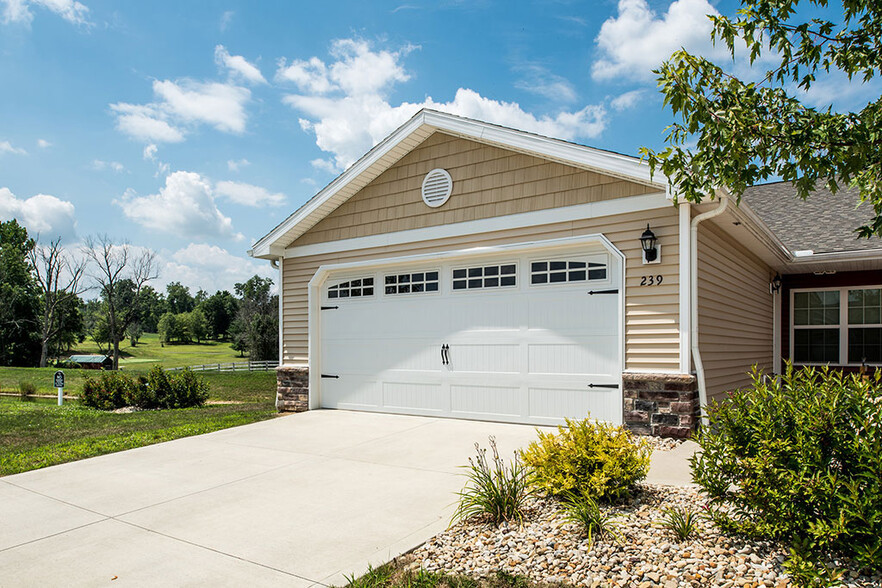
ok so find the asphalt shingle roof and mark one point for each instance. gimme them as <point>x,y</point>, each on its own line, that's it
<point>824,222</point>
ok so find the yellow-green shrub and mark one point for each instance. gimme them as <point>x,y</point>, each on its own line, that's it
<point>588,458</point>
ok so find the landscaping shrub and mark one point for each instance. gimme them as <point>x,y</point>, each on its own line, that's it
<point>590,459</point>
<point>584,511</point>
<point>111,390</point>
<point>495,490</point>
<point>159,389</point>
<point>799,458</point>
<point>26,390</point>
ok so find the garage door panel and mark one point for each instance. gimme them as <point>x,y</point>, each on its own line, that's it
<point>571,314</point>
<point>353,392</point>
<point>491,401</point>
<point>578,402</point>
<point>486,358</point>
<point>415,396</point>
<point>598,358</point>
<point>488,311</point>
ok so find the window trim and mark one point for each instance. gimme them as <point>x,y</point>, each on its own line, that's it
<point>842,326</point>
<point>410,272</point>
<point>341,279</point>
<point>485,264</point>
<point>587,259</point>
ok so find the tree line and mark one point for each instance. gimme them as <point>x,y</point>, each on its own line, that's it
<point>43,313</point>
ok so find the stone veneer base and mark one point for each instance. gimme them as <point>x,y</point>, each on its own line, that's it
<point>292,391</point>
<point>661,404</point>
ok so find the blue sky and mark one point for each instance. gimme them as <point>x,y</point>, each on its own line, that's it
<point>193,128</point>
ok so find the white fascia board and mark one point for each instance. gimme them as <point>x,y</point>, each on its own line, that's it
<point>498,223</point>
<point>622,166</point>
<point>838,256</point>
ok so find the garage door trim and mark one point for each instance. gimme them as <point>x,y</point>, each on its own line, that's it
<point>323,272</point>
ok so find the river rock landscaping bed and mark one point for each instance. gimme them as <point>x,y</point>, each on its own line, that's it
<point>548,548</point>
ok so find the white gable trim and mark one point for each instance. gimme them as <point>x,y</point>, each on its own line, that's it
<point>498,223</point>
<point>420,127</point>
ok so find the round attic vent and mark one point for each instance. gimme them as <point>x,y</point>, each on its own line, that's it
<point>437,187</point>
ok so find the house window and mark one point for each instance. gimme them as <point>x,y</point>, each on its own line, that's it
<point>485,276</point>
<point>352,288</point>
<point>412,283</point>
<point>839,326</point>
<point>561,271</point>
<point>865,325</point>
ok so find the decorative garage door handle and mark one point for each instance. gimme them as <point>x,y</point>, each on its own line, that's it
<point>445,354</point>
<point>603,385</point>
<point>613,291</point>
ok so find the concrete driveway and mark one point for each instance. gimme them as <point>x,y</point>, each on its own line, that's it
<point>300,500</point>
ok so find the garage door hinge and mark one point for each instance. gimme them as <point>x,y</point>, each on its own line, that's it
<point>330,376</point>
<point>593,292</point>
<point>330,307</point>
<point>603,385</point>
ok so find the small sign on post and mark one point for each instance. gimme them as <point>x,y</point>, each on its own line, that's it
<point>59,383</point>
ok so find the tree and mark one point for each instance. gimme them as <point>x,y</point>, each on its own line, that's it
<point>219,310</point>
<point>19,298</point>
<point>71,326</point>
<point>153,306</point>
<point>171,328</point>
<point>178,298</point>
<point>120,274</point>
<point>748,131</point>
<point>197,326</point>
<point>256,328</point>
<point>58,277</point>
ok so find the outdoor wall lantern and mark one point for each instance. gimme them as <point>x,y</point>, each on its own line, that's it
<point>775,286</point>
<point>649,244</point>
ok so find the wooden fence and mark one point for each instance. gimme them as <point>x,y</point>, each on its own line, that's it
<point>236,366</point>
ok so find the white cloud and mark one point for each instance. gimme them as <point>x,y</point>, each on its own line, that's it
<point>18,11</point>
<point>238,66</point>
<point>7,147</point>
<point>185,206</point>
<point>345,103</point>
<point>626,100</point>
<point>145,123</point>
<point>102,165</point>
<point>226,19</point>
<point>235,165</point>
<point>181,106</point>
<point>149,153</point>
<point>248,194</point>
<point>219,105</point>
<point>327,165</point>
<point>46,215</point>
<point>212,268</point>
<point>539,80</point>
<point>43,144</point>
<point>637,40</point>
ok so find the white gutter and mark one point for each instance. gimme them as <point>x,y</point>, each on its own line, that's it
<point>696,354</point>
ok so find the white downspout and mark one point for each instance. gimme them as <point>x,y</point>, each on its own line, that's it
<point>696,354</point>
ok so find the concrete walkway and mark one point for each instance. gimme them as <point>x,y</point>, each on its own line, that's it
<point>299,501</point>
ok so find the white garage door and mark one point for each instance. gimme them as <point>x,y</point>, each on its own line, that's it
<point>527,338</point>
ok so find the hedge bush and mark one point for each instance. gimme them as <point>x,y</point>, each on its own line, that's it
<point>159,389</point>
<point>799,458</point>
<point>588,458</point>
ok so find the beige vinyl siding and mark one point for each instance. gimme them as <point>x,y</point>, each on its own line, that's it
<point>487,182</point>
<point>734,311</point>
<point>652,312</point>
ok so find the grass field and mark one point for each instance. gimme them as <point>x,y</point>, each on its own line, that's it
<point>38,433</point>
<point>149,351</point>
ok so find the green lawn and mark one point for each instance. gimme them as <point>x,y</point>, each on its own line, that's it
<point>149,351</point>
<point>37,433</point>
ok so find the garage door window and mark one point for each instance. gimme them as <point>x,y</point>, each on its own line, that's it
<point>485,276</point>
<point>352,288</point>
<point>412,283</point>
<point>566,270</point>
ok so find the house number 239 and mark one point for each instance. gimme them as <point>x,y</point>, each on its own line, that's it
<point>651,280</point>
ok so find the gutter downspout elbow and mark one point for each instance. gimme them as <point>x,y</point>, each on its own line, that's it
<point>274,263</point>
<point>693,303</point>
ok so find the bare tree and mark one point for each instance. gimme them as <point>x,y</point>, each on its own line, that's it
<point>120,274</point>
<point>59,278</point>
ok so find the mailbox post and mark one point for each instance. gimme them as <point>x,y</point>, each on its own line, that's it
<point>59,383</point>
